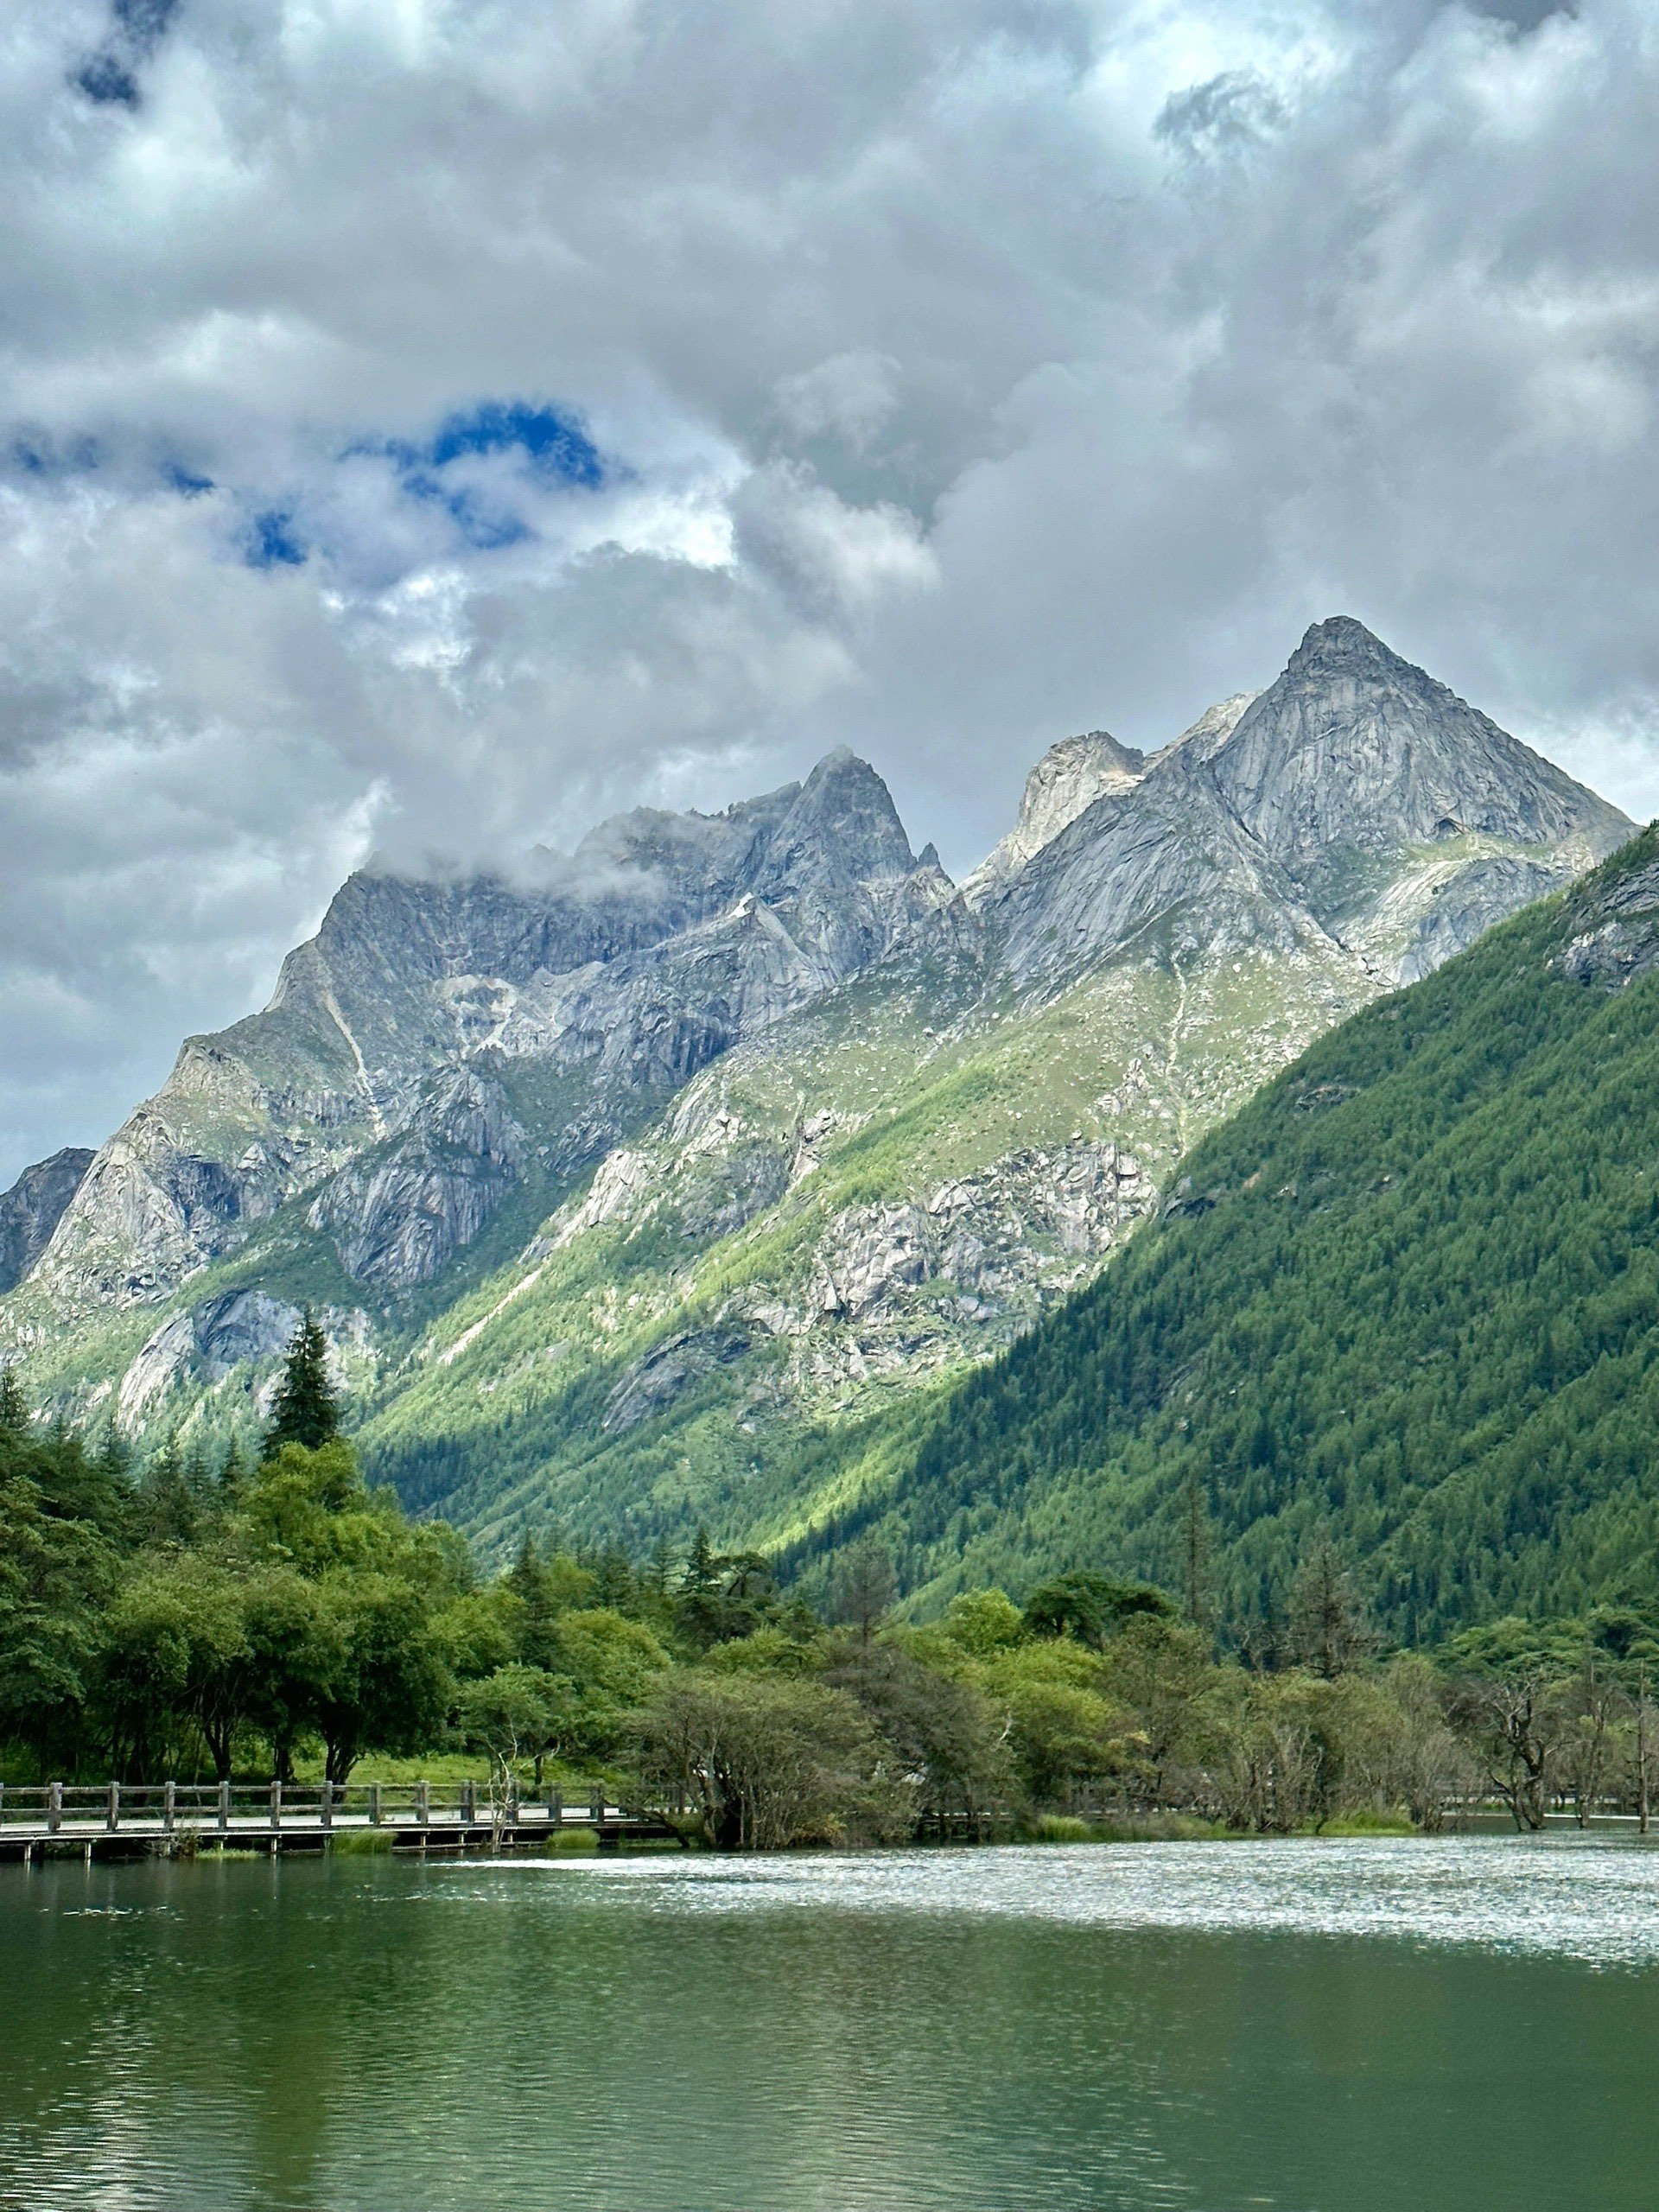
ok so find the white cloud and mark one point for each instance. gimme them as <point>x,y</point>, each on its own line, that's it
<point>958,372</point>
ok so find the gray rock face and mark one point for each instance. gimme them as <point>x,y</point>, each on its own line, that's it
<point>1168,854</point>
<point>33,1207</point>
<point>1069,777</point>
<point>209,1339</point>
<point>1212,729</point>
<point>988,1233</point>
<point>1623,941</point>
<point>635,960</point>
<point>1355,800</point>
<point>1355,751</point>
<point>399,1213</point>
<point>652,1384</point>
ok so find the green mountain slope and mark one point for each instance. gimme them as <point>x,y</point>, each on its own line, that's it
<point>742,1308</point>
<point>1409,1295</point>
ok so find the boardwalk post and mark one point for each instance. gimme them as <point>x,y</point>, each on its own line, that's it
<point>277,1804</point>
<point>422,1805</point>
<point>55,1805</point>
<point>169,1806</point>
<point>113,1814</point>
<point>469,1801</point>
<point>555,1807</point>
<point>512,1799</point>
<point>597,1807</point>
<point>224,1805</point>
<point>374,1804</point>
<point>328,1803</point>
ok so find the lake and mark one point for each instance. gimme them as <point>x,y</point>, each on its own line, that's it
<point>1322,2027</point>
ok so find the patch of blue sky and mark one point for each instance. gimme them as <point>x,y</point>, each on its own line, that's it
<point>44,456</point>
<point>555,444</point>
<point>185,481</point>
<point>270,541</point>
<point>109,77</point>
<point>550,445</point>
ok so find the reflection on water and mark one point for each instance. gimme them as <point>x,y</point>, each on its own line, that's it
<point>1350,2027</point>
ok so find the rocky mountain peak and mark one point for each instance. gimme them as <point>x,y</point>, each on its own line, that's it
<point>1071,776</point>
<point>1354,750</point>
<point>452,1055</point>
<point>1206,735</point>
<point>1341,642</point>
<point>843,818</point>
<point>33,1207</point>
<point>1066,783</point>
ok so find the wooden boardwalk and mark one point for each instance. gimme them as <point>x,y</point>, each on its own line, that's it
<point>122,1820</point>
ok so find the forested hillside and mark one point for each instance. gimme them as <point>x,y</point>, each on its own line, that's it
<point>1408,1298</point>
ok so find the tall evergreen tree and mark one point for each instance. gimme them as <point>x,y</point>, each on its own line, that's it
<point>306,1410</point>
<point>14,1407</point>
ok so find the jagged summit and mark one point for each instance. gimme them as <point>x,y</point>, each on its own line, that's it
<point>1354,749</point>
<point>1341,641</point>
<point>662,941</point>
<point>1211,730</point>
<point>1067,780</point>
<point>844,816</point>
<point>1355,799</point>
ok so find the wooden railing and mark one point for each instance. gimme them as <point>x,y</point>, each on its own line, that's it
<point>55,1808</point>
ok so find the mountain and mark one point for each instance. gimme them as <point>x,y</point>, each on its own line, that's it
<point>1407,1298</point>
<point>33,1207</point>
<point>671,1179</point>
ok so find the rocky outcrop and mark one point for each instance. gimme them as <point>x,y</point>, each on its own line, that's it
<point>33,1207</point>
<point>149,1210</point>
<point>400,1213</point>
<point>208,1339</point>
<point>1069,777</point>
<point>1621,941</point>
<point>1027,1220</point>
<point>653,1383</point>
<point>239,1329</point>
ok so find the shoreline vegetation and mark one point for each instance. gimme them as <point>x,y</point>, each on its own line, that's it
<point>284,1621</point>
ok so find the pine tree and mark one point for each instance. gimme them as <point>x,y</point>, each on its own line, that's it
<point>169,1509</point>
<point>14,1407</point>
<point>657,1572</point>
<point>306,1411</point>
<point>525,1577</point>
<point>233,1476</point>
<point>702,1571</point>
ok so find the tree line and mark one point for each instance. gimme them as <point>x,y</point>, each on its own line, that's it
<point>269,1617</point>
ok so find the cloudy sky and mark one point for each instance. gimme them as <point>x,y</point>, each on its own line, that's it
<point>427,425</point>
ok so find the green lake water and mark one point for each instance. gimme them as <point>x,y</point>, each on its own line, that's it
<point>1340,2027</point>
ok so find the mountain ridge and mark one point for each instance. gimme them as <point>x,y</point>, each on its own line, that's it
<point>753,1125</point>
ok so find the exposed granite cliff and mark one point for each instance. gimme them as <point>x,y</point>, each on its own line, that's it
<point>33,1207</point>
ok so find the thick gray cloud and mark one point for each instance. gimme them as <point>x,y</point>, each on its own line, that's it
<point>426,424</point>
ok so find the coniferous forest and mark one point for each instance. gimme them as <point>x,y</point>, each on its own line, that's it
<point>1407,1303</point>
